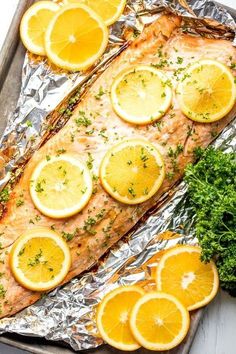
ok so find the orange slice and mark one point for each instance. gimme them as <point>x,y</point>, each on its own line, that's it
<point>113,317</point>
<point>76,37</point>
<point>181,273</point>
<point>159,321</point>
<point>34,24</point>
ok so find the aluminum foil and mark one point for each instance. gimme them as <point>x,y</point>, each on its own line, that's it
<point>68,313</point>
<point>46,89</point>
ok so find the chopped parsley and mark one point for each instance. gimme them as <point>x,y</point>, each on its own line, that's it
<point>60,151</point>
<point>2,292</point>
<point>29,123</point>
<point>88,224</point>
<point>38,187</point>
<point>162,63</point>
<point>102,133</point>
<point>19,202</point>
<point>36,260</point>
<point>100,93</point>
<point>22,251</point>
<point>179,60</point>
<point>37,218</point>
<point>136,32</point>
<point>4,195</point>
<point>100,214</point>
<point>157,125</point>
<point>89,162</point>
<point>69,236</point>
<point>82,120</point>
<point>173,154</point>
<point>132,192</point>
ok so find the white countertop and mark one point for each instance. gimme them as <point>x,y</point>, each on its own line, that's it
<point>217,330</point>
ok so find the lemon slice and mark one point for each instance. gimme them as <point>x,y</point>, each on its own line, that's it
<point>181,273</point>
<point>60,186</point>
<point>132,171</point>
<point>109,10</point>
<point>159,321</point>
<point>207,91</point>
<point>76,37</point>
<point>40,259</point>
<point>115,329</point>
<point>140,95</point>
<point>34,24</point>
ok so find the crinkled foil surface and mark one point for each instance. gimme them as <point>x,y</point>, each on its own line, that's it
<point>68,313</point>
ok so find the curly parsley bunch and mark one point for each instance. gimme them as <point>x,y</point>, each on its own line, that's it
<point>212,196</point>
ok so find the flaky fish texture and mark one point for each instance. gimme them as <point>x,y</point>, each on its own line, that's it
<point>104,220</point>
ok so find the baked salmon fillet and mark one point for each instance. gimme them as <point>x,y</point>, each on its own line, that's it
<point>104,220</point>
